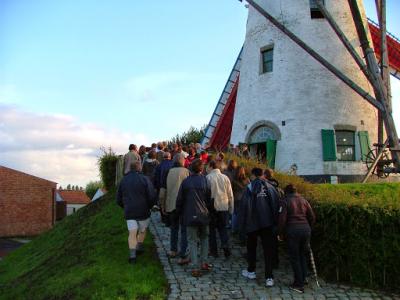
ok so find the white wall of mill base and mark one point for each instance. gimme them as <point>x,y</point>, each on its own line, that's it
<point>299,90</point>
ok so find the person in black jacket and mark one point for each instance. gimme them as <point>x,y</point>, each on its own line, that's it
<point>193,204</point>
<point>259,217</point>
<point>136,195</point>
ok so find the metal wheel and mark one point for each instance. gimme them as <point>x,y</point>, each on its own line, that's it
<point>383,163</point>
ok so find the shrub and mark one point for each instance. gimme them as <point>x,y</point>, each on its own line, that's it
<point>92,187</point>
<point>357,235</point>
<point>107,166</point>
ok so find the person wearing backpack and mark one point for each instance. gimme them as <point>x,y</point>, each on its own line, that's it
<point>295,220</point>
<point>194,204</point>
<point>259,216</point>
<point>269,177</point>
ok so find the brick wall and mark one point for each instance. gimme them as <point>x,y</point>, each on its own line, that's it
<point>27,204</point>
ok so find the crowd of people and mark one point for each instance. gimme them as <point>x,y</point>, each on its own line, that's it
<point>201,199</point>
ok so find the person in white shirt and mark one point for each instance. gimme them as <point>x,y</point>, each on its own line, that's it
<point>222,195</point>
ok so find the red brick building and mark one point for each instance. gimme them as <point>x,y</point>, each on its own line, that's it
<point>27,203</point>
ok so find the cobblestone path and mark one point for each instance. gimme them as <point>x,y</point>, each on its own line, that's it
<point>226,282</point>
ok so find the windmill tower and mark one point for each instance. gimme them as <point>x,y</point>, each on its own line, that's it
<point>289,108</point>
<point>299,110</point>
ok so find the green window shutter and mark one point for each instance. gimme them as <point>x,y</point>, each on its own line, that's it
<point>364,144</point>
<point>328,145</point>
<point>271,153</point>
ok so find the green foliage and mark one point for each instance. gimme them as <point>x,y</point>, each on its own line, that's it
<point>357,235</point>
<point>85,256</point>
<point>92,187</point>
<point>193,135</point>
<point>107,166</point>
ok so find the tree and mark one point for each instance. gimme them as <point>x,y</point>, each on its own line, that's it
<point>68,187</point>
<point>92,187</point>
<point>107,167</point>
<point>193,135</point>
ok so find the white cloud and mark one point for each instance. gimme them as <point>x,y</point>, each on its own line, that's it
<point>57,147</point>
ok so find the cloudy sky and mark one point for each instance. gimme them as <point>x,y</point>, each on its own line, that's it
<point>78,75</point>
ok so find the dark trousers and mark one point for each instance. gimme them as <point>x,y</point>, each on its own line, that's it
<point>219,221</point>
<point>175,225</point>
<point>266,235</point>
<point>298,241</point>
<point>275,250</point>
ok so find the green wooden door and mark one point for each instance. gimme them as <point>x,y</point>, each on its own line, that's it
<point>271,153</point>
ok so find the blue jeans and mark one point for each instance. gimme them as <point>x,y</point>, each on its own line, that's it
<point>219,220</point>
<point>175,225</point>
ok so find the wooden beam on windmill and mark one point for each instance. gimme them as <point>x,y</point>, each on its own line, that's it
<point>380,88</point>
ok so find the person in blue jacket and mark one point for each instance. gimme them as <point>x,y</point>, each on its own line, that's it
<point>136,195</point>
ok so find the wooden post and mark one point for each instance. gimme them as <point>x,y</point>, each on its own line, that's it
<point>360,62</point>
<point>385,72</point>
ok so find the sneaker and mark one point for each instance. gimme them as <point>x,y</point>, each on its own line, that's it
<point>269,282</point>
<point>297,289</point>
<point>249,275</point>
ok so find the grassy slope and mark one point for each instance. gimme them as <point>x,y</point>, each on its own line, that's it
<point>83,257</point>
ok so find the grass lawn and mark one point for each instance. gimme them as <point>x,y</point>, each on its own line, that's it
<point>85,256</point>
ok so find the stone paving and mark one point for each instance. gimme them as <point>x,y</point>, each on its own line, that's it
<point>226,282</point>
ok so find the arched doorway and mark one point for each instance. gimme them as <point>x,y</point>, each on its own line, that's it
<point>262,139</point>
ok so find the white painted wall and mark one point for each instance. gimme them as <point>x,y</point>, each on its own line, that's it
<point>71,208</point>
<point>300,91</point>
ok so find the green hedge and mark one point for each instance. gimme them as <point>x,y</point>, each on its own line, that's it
<point>108,168</point>
<point>357,235</point>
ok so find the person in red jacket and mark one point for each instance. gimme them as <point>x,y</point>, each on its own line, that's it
<point>295,220</point>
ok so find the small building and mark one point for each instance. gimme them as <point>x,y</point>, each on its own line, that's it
<point>74,199</point>
<point>100,193</point>
<point>61,207</point>
<point>27,203</point>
